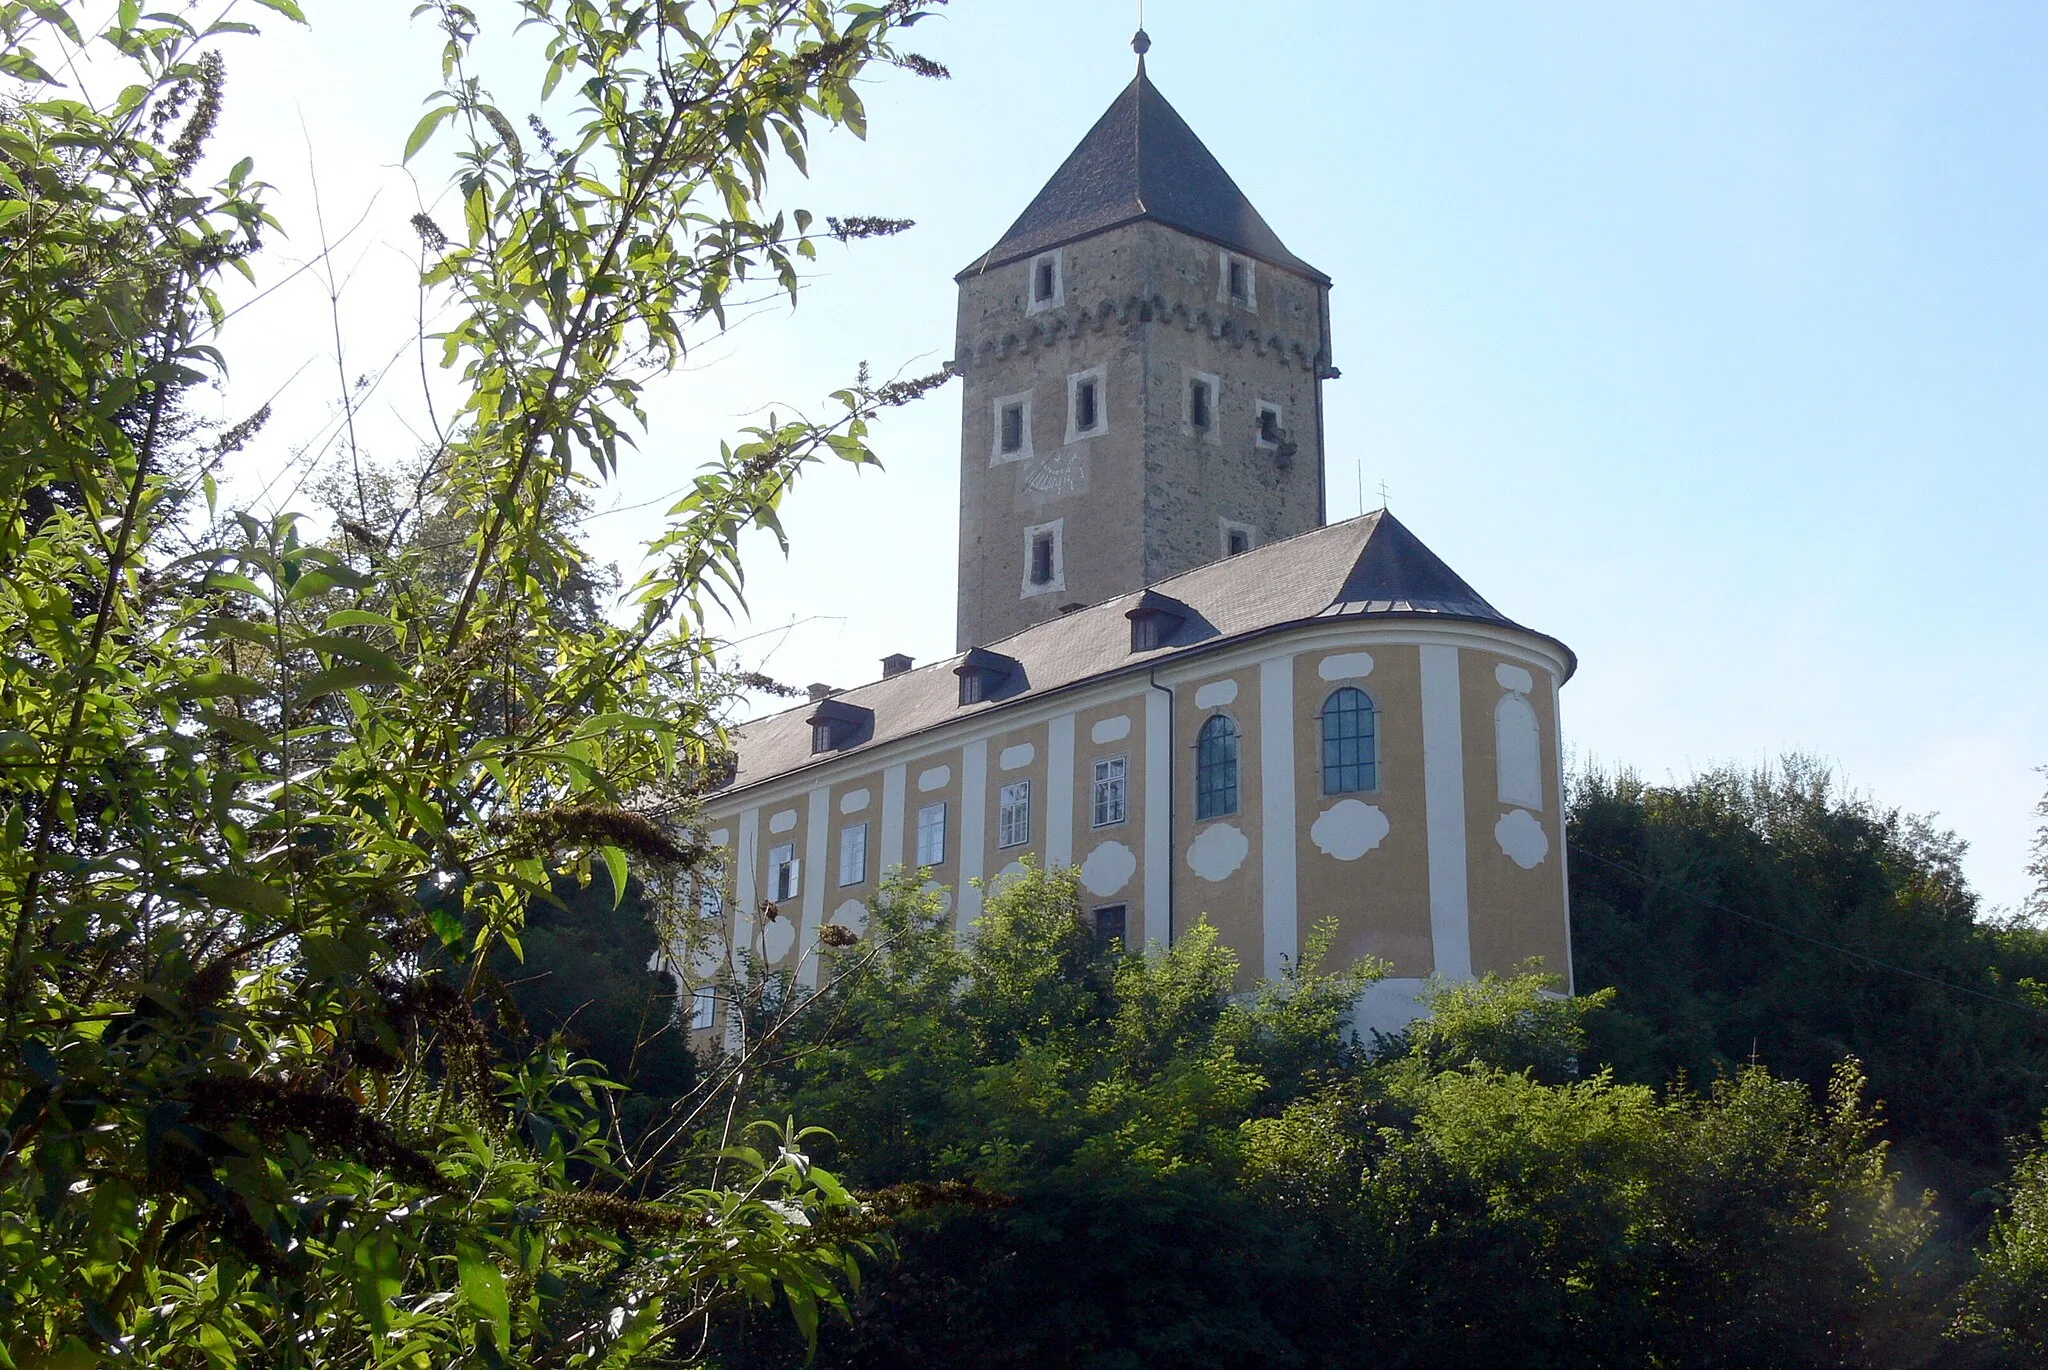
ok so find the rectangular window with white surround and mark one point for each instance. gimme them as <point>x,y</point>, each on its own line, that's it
<point>1237,280</point>
<point>1011,417</point>
<point>1087,404</point>
<point>1047,288</point>
<point>785,872</point>
<point>704,1009</point>
<point>931,835</point>
<point>853,853</point>
<point>1045,558</point>
<point>1013,815</point>
<point>1112,785</point>
<point>1199,405</point>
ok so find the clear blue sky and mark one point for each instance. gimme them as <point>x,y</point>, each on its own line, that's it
<point>1711,338</point>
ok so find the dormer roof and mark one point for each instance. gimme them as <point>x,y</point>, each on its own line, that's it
<point>1142,161</point>
<point>1370,567</point>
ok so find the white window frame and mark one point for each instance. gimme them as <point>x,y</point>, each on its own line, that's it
<point>1214,432</point>
<point>1225,527</point>
<point>1013,815</point>
<point>704,1009</point>
<point>1034,305</point>
<point>711,892</point>
<point>853,854</point>
<point>1224,257</point>
<point>783,858</point>
<point>925,856</point>
<point>1100,375</point>
<point>996,455</point>
<point>1259,429</point>
<point>1057,530</point>
<point>1109,799</point>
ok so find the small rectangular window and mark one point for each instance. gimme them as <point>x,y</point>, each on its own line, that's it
<point>971,687</point>
<point>1112,780</point>
<point>1147,633</point>
<point>1041,559</point>
<point>784,872</point>
<point>1269,425</point>
<point>1109,925</point>
<point>1084,406</point>
<point>821,737</point>
<point>1236,541</point>
<point>1013,817</point>
<point>1013,428</point>
<point>1198,406</point>
<point>1042,281</point>
<point>931,835</point>
<point>704,1009</point>
<point>853,854</point>
<point>1239,287</point>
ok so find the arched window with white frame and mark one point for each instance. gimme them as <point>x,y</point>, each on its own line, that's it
<point>1216,768</point>
<point>1351,742</point>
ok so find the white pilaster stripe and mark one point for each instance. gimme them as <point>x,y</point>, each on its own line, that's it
<point>1059,779</point>
<point>1276,812</point>
<point>973,830</point>
<point>815,876</point>
<point>893,785</point>
<point>1443,787</point>
<point>1158,821</point>
<point>745,894</point>
<point>1563,856</point>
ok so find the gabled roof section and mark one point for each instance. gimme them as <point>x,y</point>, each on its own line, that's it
<point>1142,161</point>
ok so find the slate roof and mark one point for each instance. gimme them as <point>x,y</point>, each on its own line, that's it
<point>1142,161</point>
<point>1366,567</point>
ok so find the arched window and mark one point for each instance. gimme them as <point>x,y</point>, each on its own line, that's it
<point>1351,746</point>
<point>1216,768</point>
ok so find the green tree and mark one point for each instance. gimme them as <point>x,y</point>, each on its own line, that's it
<point>261,840</point>
<point>2007,1302</point>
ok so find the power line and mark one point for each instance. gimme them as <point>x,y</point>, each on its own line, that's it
<point>1648,879</point>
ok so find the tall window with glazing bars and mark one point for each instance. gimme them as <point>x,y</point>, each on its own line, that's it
<point>1351,758</point>
<point>1216,768</point>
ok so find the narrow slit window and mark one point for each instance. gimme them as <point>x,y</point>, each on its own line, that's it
<point>1042,281</point>
<point>1199,406</point>
<point>1013,815</point>
<point>1041,559</point>
<point>1240,284</point>
<point>1013,428</point>
<point>1269,425</point>
<point>1216,768</point>
<point>1112,788</point>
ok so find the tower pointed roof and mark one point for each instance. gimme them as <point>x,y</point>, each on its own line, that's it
<point>1142,161</point>
<point>1395,572</point>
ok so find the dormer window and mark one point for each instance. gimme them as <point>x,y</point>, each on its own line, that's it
<point>1047,290</point>
<point>986,675</point>
<point>1237,280</point>
<point>837,725</point>
<point>1154,620</point>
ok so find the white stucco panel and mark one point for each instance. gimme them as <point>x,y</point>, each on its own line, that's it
<point>1514,678</point>
<point>1017,757</point>
<point>937,778</point>
<point>1521,836</point>
<point>1218,852</point>
<point>1350,828</point>
<point>1111,729</point>
<point>779,936</point>
<point>1108,869</point>
<point>1216,694</point>
<point>852,915</point>
<point>1345,666</point>
<point>945,895</point>
<point>721,837</point>
<point>782,822</point>
<point>853,801</point>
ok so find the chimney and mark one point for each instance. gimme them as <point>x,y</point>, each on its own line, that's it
<point>895,664</point>
<point>820,691</point>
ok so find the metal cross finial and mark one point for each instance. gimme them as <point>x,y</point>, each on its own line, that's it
<point>1383,494</point>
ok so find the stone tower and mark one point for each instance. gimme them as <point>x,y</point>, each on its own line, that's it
<point>1143,362</point>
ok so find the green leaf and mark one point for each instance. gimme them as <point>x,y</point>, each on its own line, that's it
<point>615,862</point>
<point>239,892</point>
<point>10,210</point>
<point>354,676</point>
<point>424,129</point>
<point>483,1288</point>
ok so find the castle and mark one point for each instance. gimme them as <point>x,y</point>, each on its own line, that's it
<point>1172,672</point>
